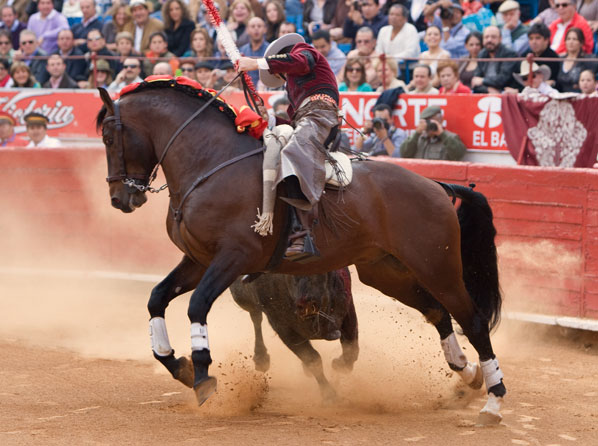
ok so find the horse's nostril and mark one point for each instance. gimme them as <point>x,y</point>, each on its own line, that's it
<point>115,201</point>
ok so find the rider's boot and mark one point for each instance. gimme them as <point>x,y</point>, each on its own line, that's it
<point>301,243</point>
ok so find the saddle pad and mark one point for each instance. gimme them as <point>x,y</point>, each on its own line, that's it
<point>344,168</point>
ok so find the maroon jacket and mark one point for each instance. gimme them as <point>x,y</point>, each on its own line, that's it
<point>307,73</point>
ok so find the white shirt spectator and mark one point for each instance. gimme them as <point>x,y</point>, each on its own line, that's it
<point>47,142</point>
<point>404,45</point>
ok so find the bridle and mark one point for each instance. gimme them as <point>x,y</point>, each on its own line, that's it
<point>131,179</point>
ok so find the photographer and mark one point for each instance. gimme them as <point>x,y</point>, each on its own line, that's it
<point>382,137</point>
<point>364,13</point>
<point>453,31</point>
<point>431,141</point>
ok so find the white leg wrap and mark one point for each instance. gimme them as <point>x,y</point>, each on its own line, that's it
<point>159,336</point>
<point>492,373</point>
<point>468,373</point>
<point>490,414</point>
<point>452,351</point>
<point>199,337</point>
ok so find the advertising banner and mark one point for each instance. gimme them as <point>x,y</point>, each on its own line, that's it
<point>475,118</point>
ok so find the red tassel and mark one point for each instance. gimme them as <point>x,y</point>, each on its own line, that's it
<point>213,12</point>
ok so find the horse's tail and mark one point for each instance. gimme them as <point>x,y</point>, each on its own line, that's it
<point>478,251</point>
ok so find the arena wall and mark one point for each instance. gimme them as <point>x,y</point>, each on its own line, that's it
<point>56,213</point>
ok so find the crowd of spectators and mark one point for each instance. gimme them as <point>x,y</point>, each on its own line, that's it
<point>405,46</point>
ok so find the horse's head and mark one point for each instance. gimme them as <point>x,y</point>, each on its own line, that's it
<point>129,153</point>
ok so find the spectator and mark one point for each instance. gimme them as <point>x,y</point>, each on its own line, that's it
<point>239,14</point>
<point>468,65</point>
<point>22,76</point>
<point>364,13</point>
<point>256,30</point>
<point>398,39</point>
<point>121,15</point>
<point>129,74</point>
<point>158,52</point>
<point>453,31</point>
<point>11,24</point>
<point>286,28</point>
<point>540,74</point>
<point>587,82</point>
<point>37,130</point>
<point>547,16</point>
<point>226,74</point>
<point>493,77</point>
<point>434,54</point>
<point>6,51</point>
<point>422,80</point>
<point>102,77</point>
<point>383,138</point>
<point>58,76</point>
<point>75,68</point>
<point>5,79</point>
<point>335,57</point>
<point>177,26</point>
<point>318,14</point>
<point>354,79</point>
<point>7,132</point>
<point>97,48</point>
<point>20,11</point>
<point>365,51</point>
<point>513,32</point>
<point>588,9</point>
<point>568,76</point>
<point>197,12</point>
<point>203,73</point>
<point>538,36</point>
<point>387,70</point>
<point>201,44</point>
<point>162,69</point>
<point>274,18</point>
<point>124,49</point>
<point>142,26</point>
<point>280,107</point>
<point>431,141</point>
<point>89,21</point>
<point>46,24</point>
<point>27,51</point>
<point>569,18</point>
<point>448,73</point>
<point>187,67</point>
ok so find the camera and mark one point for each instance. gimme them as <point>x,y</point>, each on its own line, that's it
<point>357,6</point>
<point>446,13</point>
<point>378,123</point>
<point>431,126</point>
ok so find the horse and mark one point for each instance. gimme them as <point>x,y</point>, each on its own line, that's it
<point>300,308</point>
<point>400,230</point>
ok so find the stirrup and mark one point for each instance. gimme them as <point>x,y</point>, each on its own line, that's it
<point>309,253</point>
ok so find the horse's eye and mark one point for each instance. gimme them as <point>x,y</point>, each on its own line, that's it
<point>108,140</point>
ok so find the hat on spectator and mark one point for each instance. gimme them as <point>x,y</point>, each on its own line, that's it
<point>430,112</point>
<point>204,64</point>
<point>267,78</point>
<point>5,117</point>
<point>457,5</point>
<point>524,71</point>
<point>135,3</point>
<point>226,65</point>
<point>508,5</point>
<point>101,65</point>
<point>35,118</point>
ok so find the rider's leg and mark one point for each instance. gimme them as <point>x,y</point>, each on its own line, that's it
<point>300,227</point>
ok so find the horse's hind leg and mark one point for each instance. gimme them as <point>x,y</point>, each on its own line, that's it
<point>183,278</point>
<point>311,359</point>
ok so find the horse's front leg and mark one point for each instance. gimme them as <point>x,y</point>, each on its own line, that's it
<point>221,273</point>
<point>183,278</point>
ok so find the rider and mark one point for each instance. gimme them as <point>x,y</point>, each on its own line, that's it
<point>313,94</point>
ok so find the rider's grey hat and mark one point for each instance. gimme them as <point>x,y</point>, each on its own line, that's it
<point>267,78</point>
<point>430,112</point>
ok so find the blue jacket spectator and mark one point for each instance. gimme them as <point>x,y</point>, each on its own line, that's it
<point>335,57</point>
<point>75,68</point>
<point>89,21</point>
<point>256,30</point>
<point>453,32</point>
<point>12,24</point>
<point>367,14</point>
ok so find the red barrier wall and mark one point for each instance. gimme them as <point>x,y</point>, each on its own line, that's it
<point>56,213</point>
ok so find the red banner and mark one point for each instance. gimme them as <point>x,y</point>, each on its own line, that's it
<point>475,118</point>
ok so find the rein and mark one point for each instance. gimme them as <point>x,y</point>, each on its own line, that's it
<point>129,179</point>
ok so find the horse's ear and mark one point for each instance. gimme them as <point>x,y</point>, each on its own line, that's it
<point>107,100</point>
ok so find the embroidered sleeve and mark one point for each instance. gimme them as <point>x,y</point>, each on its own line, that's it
<point>298,62</point>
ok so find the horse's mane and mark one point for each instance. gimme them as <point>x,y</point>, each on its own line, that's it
<point>192,89</point>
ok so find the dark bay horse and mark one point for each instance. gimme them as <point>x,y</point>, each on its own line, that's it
<point>300,308</point>
<point>399,229</point>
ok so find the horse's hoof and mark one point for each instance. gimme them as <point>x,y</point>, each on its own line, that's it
<point>475,374</point>
<point>185,372</point>
<point>490,414</point>
<point>205,389</point>
<point>262,363</point>
<point>329,396</point>
<point>342,366</point>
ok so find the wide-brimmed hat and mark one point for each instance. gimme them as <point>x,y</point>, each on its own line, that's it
<point>524,71</point>
<point>267,78</point>
<point>101,65</point>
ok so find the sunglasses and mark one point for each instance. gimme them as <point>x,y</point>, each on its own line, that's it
<point>131,66</point>
<point>352,70</point>
<point>27,42</point>
<point>189,70</point>
<point>561,5</point>
<point>93,39</point>
<point>5,43</point>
